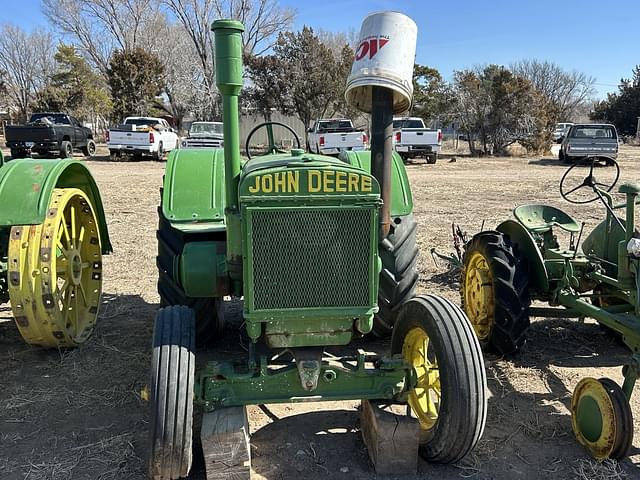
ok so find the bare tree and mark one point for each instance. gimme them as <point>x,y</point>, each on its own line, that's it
<point>100,26</point>
<point>185,87</point>
<point>26,60</point>
<point>263,20</point>
<point>568,92</point>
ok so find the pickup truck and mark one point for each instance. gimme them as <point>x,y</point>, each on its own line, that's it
<point>140,136</point>
<point>560,131</point>
<point>331,136</point>
<point>412,139</point>
<point>589,140</point>
<point>55,134</point>
<point>204,135</point>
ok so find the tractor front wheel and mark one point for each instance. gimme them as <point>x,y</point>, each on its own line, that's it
<point>399,275</point>
<point>449,398</point>
<point>172,382</point>
<point>601,418</point>
<point>495,291</point>
<point>55,273</point>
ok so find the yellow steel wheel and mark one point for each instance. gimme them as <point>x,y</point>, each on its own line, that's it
<point>425,398</point>
<point>55,273</point>
<point>479,295</point>
<point>601,418</point>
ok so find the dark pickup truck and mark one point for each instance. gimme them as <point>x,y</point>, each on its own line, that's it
<point>49,134</point>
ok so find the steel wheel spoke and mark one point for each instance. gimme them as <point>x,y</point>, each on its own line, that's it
<point>84,296</point>
<point>62,290</point>
<point>65,229</point>
<point>74,239</point>
<point>81,237</point>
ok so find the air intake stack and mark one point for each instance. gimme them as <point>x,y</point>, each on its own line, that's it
<point>228,62</point>
<point>381,83</point>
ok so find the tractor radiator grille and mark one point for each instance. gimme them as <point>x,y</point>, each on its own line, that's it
<point>305,258</point>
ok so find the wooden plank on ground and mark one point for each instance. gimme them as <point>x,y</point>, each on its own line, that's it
<point>391,437</point>
<point>225,443</point>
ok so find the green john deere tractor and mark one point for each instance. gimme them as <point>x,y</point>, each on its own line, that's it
<point>522,260</point>
<point>52,237</point>
<point>323,251</point>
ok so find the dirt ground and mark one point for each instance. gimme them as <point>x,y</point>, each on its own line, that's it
<point>79,414</point>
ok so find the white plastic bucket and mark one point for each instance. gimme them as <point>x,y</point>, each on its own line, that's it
<point>384,58</point>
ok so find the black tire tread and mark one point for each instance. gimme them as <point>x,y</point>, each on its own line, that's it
<point>399,275</point>
<point>511,290</point>
<point>209,325</point>
<point>463,411</point>
<point>172,382</point>
<point>624,419</point>
<point>85,149</point>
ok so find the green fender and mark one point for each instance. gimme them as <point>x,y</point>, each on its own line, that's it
<point>537,271</point>
<point>193,195</point>
<point>26,186</point>
<point>401,199</point>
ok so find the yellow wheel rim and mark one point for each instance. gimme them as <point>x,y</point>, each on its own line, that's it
<point>424,399</point>
<point>478,295</point>
<point>55,273</point>
<point>593,418</point>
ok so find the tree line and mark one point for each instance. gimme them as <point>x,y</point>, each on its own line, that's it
<point>105,59</point>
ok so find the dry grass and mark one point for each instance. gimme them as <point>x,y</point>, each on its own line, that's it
<point>78,414</point>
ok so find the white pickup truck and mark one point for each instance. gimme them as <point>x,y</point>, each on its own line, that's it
<point>412,139</point>
<point>142,136</point>
<point>331,136</point>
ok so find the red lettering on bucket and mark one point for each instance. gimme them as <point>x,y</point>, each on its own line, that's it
<point>370,46</point>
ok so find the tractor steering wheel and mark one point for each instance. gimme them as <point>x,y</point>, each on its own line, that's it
<point>589,181</point>
<point>272,145</point>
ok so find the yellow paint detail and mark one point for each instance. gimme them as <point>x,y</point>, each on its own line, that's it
<point>293,182</point>
<point>255,188</point>
<point>365,185</point>
<point>314,181</point>
<point>354,180</point>
<point>425,398</point>
<point>341,182</point>
<point>55,272</point>
<point>325,181</point>
<point>328,177</point>
<point>478,295</point>
<point>267,183</point>
<point>602,447</point>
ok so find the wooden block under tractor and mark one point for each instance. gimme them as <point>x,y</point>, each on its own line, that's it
<point>225,444</point>
<point>391,437</point>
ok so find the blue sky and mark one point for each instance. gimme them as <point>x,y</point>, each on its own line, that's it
<point>598,37</point>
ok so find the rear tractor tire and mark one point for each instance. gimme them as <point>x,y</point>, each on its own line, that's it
<point>449,398</point>
<point>172,383</point>
<point>495,292</point>
<point>55,273</point>
<point>601,418</point>
<point>209,312</point>
<point>399,275</point>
